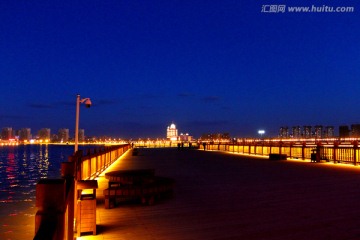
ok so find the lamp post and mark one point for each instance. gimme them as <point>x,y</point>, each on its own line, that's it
<point>78,102</point>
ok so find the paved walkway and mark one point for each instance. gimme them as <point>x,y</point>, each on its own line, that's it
<point>223,196</point>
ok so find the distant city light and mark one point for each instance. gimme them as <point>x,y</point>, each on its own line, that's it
<point>261,132</point>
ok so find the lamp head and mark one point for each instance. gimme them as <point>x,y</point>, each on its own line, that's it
<point>88,103</point>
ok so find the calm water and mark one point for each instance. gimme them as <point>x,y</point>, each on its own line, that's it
<point>22,166</point>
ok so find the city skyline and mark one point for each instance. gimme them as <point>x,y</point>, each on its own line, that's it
<point>225,66</point>
<point>172,133</point>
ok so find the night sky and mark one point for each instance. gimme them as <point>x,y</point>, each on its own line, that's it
<point>207,66</point>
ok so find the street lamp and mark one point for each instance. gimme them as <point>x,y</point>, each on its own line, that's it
<point>78,102</point>
<point>261,133</point>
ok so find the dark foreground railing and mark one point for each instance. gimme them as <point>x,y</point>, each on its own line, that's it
<point>336,152</point>
<point>56,198</point>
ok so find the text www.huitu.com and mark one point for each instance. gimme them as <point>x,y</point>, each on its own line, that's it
<point>305,9</point>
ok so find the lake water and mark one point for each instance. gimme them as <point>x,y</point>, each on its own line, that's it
<point>21,167</point>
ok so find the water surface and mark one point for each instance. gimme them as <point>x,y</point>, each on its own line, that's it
<point>21,167</point>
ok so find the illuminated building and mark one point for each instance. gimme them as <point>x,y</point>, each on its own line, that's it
<point>54,138</point>
<point>172,132</point>
<point>318,131</point>
<point>44,134</point>
<point>296,132</point>
<point>25,134</point>
<point>81,135</point>
<point>217,137</point>
<point>307,132</point>
<point>185,137</point>
<point>6,133</point>
<point>284,132</point>
<point>63,135</point>
<point>329,132</point>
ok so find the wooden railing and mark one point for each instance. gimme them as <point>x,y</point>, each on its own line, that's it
<point>95,161</point>
<point>336,152</point>
<point>56,198</point>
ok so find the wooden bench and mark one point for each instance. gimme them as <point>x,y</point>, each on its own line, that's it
<point>132,176</point>
<point>146,193</point>
<point>135,185</point>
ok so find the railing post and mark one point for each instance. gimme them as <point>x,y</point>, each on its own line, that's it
<point>280,146</point>
<point>68,173</point>
<point>336,145</point>
<point>318,153</point>
<point>77,165</point>
<point>51,204</point>
<point>89,173</point>
<point>243,146</point>
<point>355,147</point>
<point>76,158</point>
<point>303,150</point>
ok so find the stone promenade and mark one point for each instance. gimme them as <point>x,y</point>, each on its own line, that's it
<point>224,196</point>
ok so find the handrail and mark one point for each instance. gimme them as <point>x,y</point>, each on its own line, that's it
<point>95,161</point>
<point>55,198</point>
<point>335,152</point>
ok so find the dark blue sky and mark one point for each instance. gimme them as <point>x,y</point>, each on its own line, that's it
<point>207,66</point>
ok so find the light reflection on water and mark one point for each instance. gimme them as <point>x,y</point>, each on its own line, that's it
<point>22,166</point>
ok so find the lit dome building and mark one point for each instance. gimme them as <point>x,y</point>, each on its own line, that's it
<point>172,132</point>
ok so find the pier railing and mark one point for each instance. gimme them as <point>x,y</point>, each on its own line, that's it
<point>95,161</point>
<point>336,152</point>
<point>164,144</point>
<point>56,198</point>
